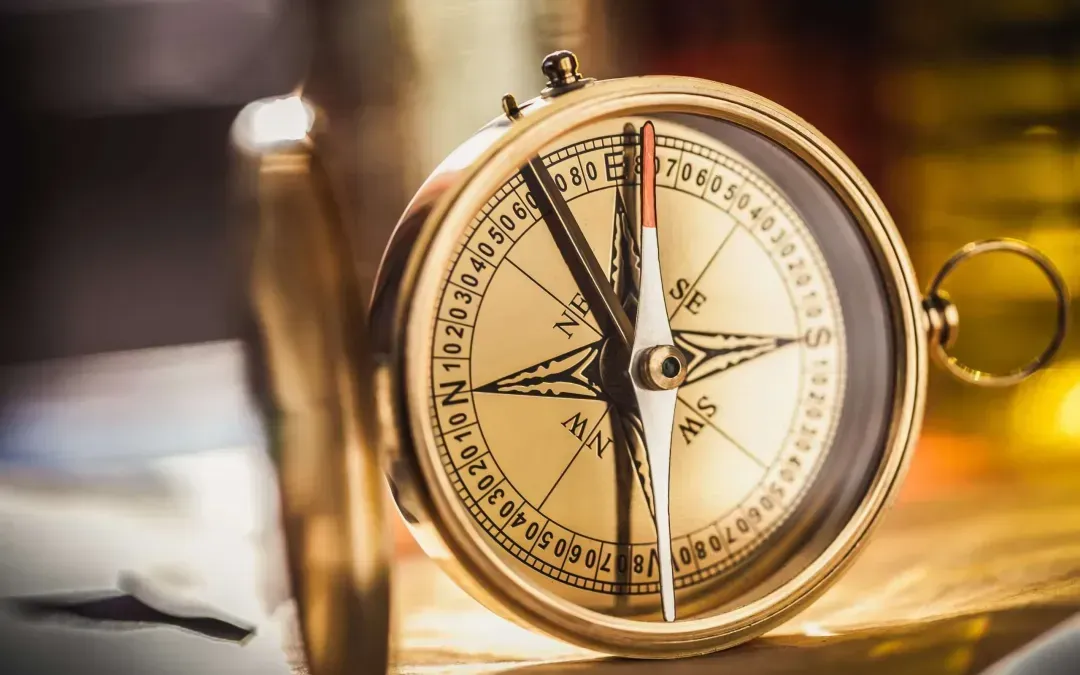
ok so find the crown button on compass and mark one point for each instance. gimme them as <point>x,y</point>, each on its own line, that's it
<point>561,70</point>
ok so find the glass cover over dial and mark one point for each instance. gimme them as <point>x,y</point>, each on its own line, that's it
<point>529,398</point>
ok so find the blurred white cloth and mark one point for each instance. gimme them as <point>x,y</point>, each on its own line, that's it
<point>194,532</point>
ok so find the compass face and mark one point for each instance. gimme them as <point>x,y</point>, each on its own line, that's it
<point>531,421</point>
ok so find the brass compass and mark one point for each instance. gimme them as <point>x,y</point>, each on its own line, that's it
<point>651,362</point>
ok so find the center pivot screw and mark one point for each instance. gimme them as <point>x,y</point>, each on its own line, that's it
<point>662,367</point>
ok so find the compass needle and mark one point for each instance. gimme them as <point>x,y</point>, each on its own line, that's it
<point>656,396</point>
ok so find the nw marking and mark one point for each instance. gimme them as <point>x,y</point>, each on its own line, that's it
<point>577,425</point>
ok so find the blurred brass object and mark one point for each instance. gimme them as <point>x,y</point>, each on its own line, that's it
<point>944,319</point>
<point>312,376</point>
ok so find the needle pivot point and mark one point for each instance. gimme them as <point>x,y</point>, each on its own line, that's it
<point>662,367</point>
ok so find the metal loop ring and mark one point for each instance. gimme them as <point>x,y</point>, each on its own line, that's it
<point>936,298</point>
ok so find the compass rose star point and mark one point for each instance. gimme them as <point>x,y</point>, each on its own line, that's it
<point>709,354</point>
<point>574,374</point>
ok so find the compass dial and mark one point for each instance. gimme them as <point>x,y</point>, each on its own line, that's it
<point>528,397</point>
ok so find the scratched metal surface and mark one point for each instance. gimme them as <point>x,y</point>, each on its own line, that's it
<point>948,585</point>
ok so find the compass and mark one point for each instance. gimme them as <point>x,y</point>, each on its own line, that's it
<point>650,362</point>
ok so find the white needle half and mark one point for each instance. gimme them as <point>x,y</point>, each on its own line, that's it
<point>657,405</point>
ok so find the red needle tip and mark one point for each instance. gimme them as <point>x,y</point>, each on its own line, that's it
<point>648,175</point>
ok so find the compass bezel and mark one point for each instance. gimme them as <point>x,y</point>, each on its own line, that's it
<point>404,310</point>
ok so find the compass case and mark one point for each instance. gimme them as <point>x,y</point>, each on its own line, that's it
<point>885,380</point>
